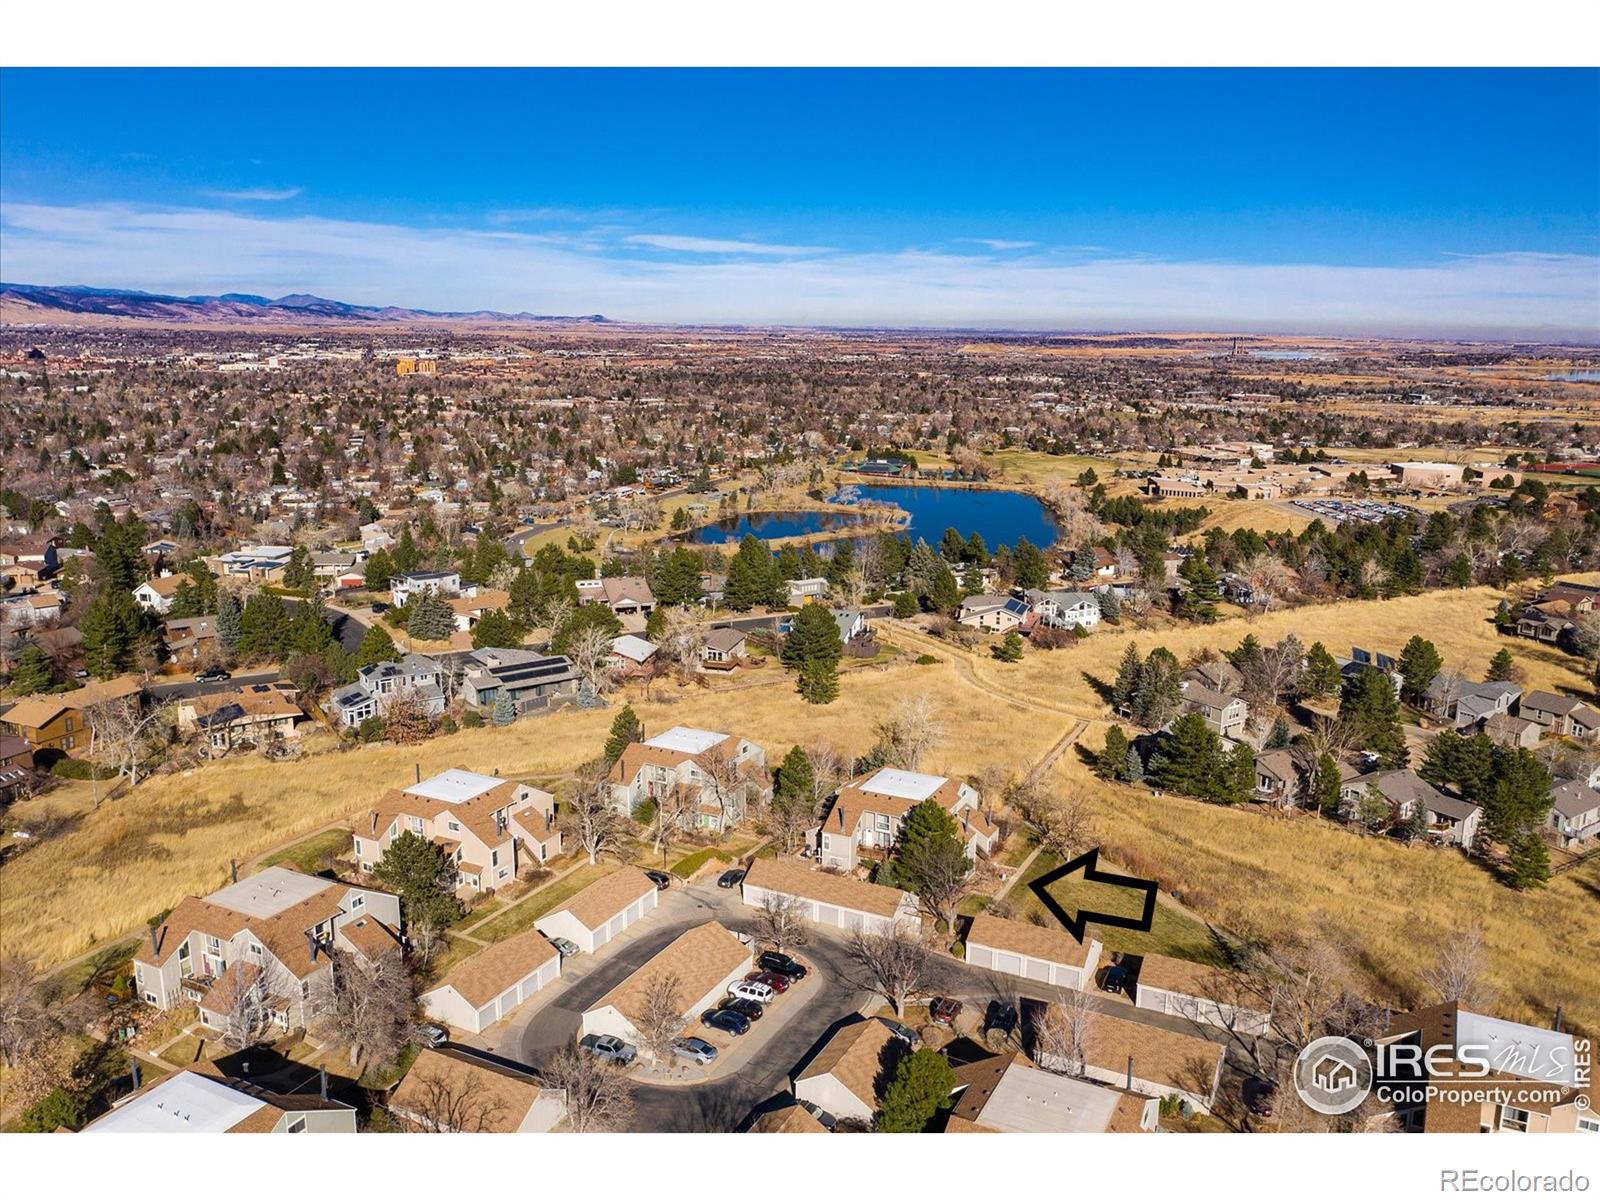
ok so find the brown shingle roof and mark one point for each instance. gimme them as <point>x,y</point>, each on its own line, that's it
<point>490,972</point>
<point>861,1057</point>
<point>787,876</point>
<point>1169,1059</point>
<point>701,958</point>
<point>789,1119</point>
<point>607,896</point>
<point>1036,941</point>
<point>492,1099</point>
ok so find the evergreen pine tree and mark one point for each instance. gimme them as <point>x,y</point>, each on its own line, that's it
<point>430,619</point>
<point>230,624</point>
<point>819,682</point>
<point>376,647</point>
<point>1321,676</point>
<point>1113,762</point>
<point>378,571</point>
<point>1010,648</point>
<point>111,630</point>
<point>1031,569</point>
<point>1529,862</point>
<point>1370,708</point>
<point>1419,663</point>
<point>505,710</point>
<point>299,575</point>
<point>1502,667</point>
<point>1325,785</point>
<point>1133,772</point>
<point>813,637</point>
<point>626,728</point>
<point>1191,758</point>
<point>1127,681</point>
<point>922,1083</point>
<point>31,673</point>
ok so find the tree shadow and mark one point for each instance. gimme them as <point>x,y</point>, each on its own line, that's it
<point>1099,686</point>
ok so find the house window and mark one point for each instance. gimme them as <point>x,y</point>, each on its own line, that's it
<point>494,858</point>
<point>298,1125</point>
<point>1514,1119</point>
<point>150,998</point>
<point>454,828</point>
<point>416,824</point>
<point>1589,1124</point>
<point>213,945</point>
<point>357,902</point>
<point>69,724</point>
<point>255,948</point>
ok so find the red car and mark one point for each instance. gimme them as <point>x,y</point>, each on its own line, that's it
<point>771,978</point>
<point>943,1010</point>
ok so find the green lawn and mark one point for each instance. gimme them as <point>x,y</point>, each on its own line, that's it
<point>183,1052</point>
<point>456,949</point>
<point>1021,843</point>
<point>690,863</point>
<point>522,916</point>
<point>1173,933</point>
<point>308,855</point>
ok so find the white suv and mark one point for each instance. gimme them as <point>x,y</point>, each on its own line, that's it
<point>745,990</point>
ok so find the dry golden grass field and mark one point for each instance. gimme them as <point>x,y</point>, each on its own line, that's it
<point>1241,869</point>
<point>173,836</point>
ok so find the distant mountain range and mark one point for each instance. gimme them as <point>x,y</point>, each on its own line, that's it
<point>26,303</point>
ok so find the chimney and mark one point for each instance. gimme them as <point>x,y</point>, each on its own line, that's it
<point>155,944</point>
<point>374,815</point>
<point>311,942</point>
<point>233,869</point>
<point>134,1071</point>
<point>1130,1072</point>
<point>322,1083</point>
<point>1557,1025</point>
<point>419,772</point>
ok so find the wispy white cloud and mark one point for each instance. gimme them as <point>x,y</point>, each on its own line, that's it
<point>211,250</point>
<point>999,243</point>
<point>705,245</point>
<point>262,194</point>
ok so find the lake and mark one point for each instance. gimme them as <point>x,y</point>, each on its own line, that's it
<point>1000,517</point>
<point>1575,377</point>
<point>794,523</point>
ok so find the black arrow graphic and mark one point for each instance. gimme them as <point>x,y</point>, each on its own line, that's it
<point>1077,922</point>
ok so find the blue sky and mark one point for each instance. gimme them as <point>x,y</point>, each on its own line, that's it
<point>1343,201</point>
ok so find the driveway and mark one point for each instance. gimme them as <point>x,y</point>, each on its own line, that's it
<point>188,689</point>
<point>762,1071</point>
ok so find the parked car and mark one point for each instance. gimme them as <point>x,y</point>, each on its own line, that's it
<point>1000,1016</point>
<point>565,947</point>
<point>772,979</point>
<point>748,1009</point>
<point>433,1036</point>
<point>731,878</point>
<point>213,675</point>
<point>905,1033</point>
<point>1116,978</point>
<point>1258,1095</point>
<point>660,878</point>
<point>380,607</point>
<point>612,1049</point>
<point>696,1050</point>
<point>780,964</point>
<point>824,1118</point>
<point>944,1010</point>
<point>726,1020</point>
<point>746,990</point>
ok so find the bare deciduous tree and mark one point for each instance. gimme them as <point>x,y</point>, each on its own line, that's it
<point>590,653</point>
<point>830,766</point>
<point>728,782</point>
<point>25,1017</point>
<point>1066,826</point>
<point>452,1102</point>
<point>595,821</point>
<point>599,1097</point>
<point>896,964</point>
<point>912,730</point>
<point>1458,974</point>
<point>121,736</point>
<point>364,1004</point>
<point>1063,1034</point>
<point>660,1019</point>
<point>682,640</point>
<point>782,921</point>
<point>405,718</point>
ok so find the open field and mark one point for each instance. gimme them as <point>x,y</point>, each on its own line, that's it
<point>1260,515</point>
<point>1281,878</point>
<point>174,835</point>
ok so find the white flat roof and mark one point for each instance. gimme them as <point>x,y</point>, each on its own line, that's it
<point>186,1103</point>
<point>1526,1050</point>
<point>1027,1100</point>
<point>904,785</point>
<point>455,786</point>
<point>686,740</point>
<point>269,892</point>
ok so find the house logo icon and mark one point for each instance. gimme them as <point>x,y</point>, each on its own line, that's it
<point>1332,1076</point>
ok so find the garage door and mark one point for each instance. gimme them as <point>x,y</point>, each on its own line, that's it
<point>486,1016</point>
<point>618,924</point>
<point>828,915</point>
<point>1011,964</point>
<point>635,911</point>
<point>1038,970</point>
<point>508,1001</point>
<point>601,937</point>
<point>980,956</point>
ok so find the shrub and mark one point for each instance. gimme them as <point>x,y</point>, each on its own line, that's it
<point>926,660</point>
<point>472,719</point>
